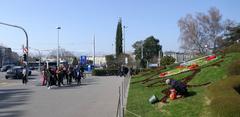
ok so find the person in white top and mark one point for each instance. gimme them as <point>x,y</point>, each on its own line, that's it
<point>24,78</point>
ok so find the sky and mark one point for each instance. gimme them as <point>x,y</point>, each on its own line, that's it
<point>80,20</point>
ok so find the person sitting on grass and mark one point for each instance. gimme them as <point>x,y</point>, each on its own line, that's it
<point>178,86</point>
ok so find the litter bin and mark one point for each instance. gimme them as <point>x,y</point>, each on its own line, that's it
<point>153,99</point>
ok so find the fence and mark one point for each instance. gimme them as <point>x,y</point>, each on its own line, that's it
<point>122,98</point>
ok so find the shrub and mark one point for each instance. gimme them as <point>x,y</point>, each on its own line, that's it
<point>234,68</point>
<point>105,72</point>
<point>167,60</point>
<point>224,98</point>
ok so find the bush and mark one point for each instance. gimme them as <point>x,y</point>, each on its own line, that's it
<point>232,48</point>
<point>224,97</point>
<point>234,68</point>
<point>104,72</point>
<point>167,60</point>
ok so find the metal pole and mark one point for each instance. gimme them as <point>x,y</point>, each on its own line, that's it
<point>142,51</point>
<point>39,54</point>
<point>58,50</point>
<point>124,38</point>
<point>26,42</point>
<point>58,28</point>
<point>94,50</point>
<point>141,56</point>
<point>39,61</point>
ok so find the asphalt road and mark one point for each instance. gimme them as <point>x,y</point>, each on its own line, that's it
<point>96,97</point>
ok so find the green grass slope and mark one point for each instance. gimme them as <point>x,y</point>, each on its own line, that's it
<point>192,106</point>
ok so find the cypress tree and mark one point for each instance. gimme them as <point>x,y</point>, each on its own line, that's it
<point>119,49</point>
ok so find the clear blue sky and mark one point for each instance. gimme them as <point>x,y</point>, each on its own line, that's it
<point>81,19</point>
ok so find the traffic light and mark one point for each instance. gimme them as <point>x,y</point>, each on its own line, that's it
<point>24,57</point>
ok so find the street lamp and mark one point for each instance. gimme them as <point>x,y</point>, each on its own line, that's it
<point>142,50</point>
<point>58,28</point>
<point>124,40</point>
<point>206,49</point>
<point>26,42</point>
<point>39,53</point>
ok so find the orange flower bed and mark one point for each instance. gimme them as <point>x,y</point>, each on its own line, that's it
<point>180,67</point>
<point>193,66</point>
<point>209,58</point>
<point>163,74</point>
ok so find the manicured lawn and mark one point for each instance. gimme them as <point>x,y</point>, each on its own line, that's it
<point>192,106</point>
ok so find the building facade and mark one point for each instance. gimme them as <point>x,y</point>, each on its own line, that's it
<point>99,60</point>
<point>180,57</point>
<point>7,56</point>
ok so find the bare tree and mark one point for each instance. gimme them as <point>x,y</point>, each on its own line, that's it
<point>64,54</point>
<point>190,35</point>
<point>203,29</point>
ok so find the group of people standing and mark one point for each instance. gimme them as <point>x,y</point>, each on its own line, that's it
<point>56,76</point>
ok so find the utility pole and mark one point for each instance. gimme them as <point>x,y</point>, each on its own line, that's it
<point>58,28</point>
<point>142,51</point>
<point>124,40</point>
<point>141,56</point>
<point>94,50</point>
<point>39,54</point>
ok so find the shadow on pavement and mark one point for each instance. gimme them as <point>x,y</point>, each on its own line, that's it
<point>11,98</point>
<point>11,114</point>
<point>72,86</point>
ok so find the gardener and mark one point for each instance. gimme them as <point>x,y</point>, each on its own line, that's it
<point>180,87</point>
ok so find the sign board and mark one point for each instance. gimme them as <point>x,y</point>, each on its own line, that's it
<point>83,60</point>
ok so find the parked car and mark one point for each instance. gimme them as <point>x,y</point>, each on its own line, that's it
<point>6,67</point>
<point>16,72</point>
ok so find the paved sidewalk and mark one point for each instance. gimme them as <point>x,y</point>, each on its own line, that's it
<point>96,97</point>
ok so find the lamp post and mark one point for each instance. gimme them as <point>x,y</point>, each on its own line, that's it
<point>124,40</point>
<point>206,49</point>
<point>25,32</point>
<point>94,50</point>
<point>39,53</point>
<point>141,63</point>
<point>58,29</point>
<point>142,50</point>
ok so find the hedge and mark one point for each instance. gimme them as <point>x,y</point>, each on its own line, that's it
<point>224,97</point>
<point>105,72</point>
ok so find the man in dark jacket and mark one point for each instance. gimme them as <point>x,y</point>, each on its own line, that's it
<point>78,74</point>
<point>180,87</point>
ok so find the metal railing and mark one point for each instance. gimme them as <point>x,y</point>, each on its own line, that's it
<point>122,98</point>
